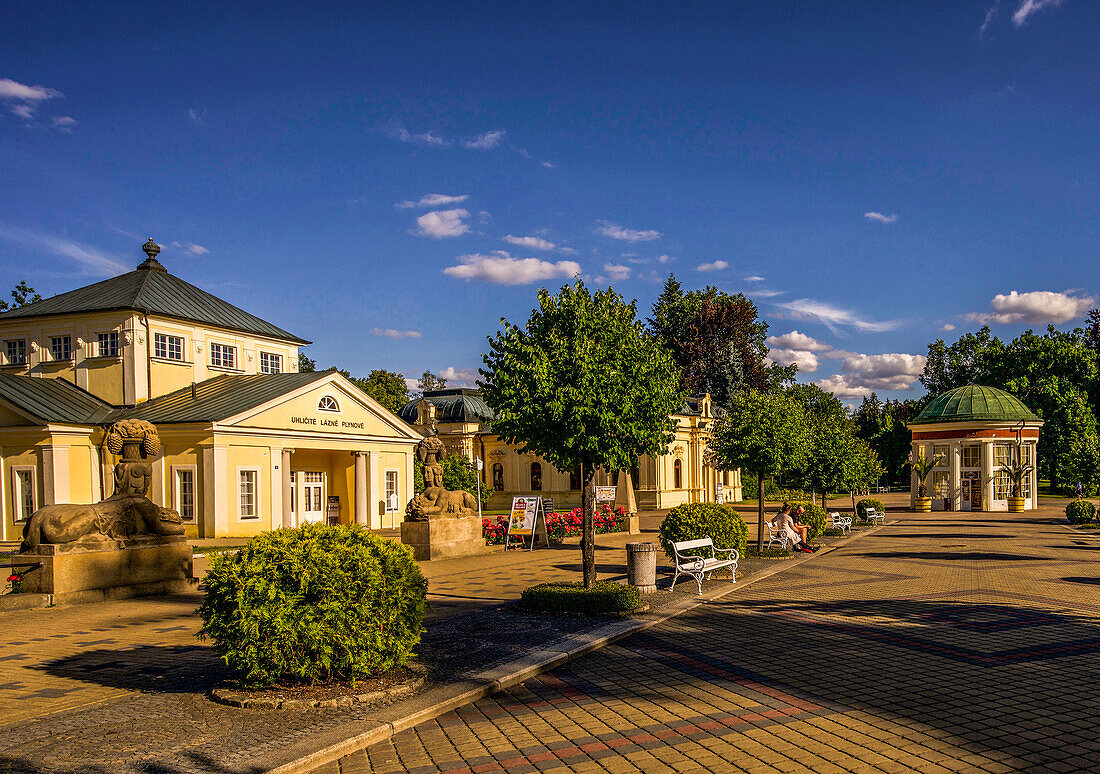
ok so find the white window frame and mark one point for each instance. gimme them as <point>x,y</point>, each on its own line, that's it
<point>976,451</point>
<point>16,499</point>
<point>274,357</point>
<point>396,485</point>
<point>223,349</point>
<point>22,353</point>
<point>193,470</point>
<point>168,339</point>
<point>335,403</point>
<point>114,341</point>
<point>66,342</point>
<point>256,505</point>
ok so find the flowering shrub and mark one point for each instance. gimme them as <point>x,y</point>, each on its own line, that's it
<point>560,525</point>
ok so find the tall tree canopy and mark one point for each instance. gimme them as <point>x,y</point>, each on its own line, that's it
<point>21,294</point>
<point>429,381</point>
<point>386,387</point>
<point>882,425</point>
<point>582,384</point>
<point>717,340</point>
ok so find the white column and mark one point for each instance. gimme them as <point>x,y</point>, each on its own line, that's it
<point>1035,474</point>
<point>288,497</point>
<point>373,494</point>
<point>405,488</point>
<point>955,481</point>
<point>275,455</point>
<point>362,515</point>
<point>987,475</point>
<point>55,474</point>
<point>3,499</point>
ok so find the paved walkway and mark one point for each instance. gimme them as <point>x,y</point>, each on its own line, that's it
<point>945,642</point>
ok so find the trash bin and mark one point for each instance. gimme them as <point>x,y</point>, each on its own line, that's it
<point>641,566</point>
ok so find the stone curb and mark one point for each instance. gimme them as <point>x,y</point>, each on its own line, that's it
<point>439,701</point>
<point>247,700</point>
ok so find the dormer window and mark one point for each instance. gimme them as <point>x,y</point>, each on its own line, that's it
<point>223,356</point>
<point>328,403</point>
<point>16,350</point>
<point>107,344</point>
<point>61,347</point>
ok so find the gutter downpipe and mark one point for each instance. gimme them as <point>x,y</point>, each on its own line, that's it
<point>148,358</point>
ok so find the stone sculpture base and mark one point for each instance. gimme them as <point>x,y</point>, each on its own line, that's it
<point>73,573</point>
<point>444,538</point>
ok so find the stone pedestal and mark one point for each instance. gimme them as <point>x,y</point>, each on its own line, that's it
<point>74,573</point>
<point>444,538</point>
<point>634,524</point>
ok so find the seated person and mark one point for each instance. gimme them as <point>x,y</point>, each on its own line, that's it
<point>798,526</point>
<point>782,522</point>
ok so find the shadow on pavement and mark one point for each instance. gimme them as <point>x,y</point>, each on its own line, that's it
<point>159,668</point>
<point>1089,581</point>
<point>195,762</point>
<point>940,556</point>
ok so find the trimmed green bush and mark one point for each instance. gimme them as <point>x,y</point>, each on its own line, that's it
<point>868,502</point>
<point>814,518</point>
<point>1080,512</point>
<point>692,521</point>
<point>315,603</point>
<point>604,597</point>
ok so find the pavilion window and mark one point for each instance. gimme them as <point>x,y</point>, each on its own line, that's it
<point>61,347</point>
<point>16,351</point>
<point>270,363</point>
<point>536,477</point>
<point>167,347</point>
<point>1001,485</point>
<point>1002,455</point>
<point>972,456</point>
<point>107,344</point>
<point>223,356</point>
<point>943,452</point>
<point>677,475</point>
<point>498,477</point>
<point>941,484</point>
<point>328,403</point>
<point>24,495</point>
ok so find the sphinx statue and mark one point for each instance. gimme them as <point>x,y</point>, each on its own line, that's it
<point>436,501</point>
<point>125,514</point>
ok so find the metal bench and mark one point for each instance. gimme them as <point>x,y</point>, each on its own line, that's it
<point>873,516</point>
<point>701,566</point>
<point>779,536</point>
<point>843,523</point>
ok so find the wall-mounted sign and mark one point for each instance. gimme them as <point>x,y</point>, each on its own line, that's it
<point>328,423</point>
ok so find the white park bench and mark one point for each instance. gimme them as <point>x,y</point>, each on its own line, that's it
<point>701,566</point>
<point>875,517</point>
<point>776,535</point>
<point>843,523</point>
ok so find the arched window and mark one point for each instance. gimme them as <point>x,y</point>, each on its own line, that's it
<point>328,403</point>
<point>575,479</point>
<point>536,477</point>
<point>677,475</point>
<point>498,477</point>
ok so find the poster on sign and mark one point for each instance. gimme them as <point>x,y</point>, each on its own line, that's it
<point>527,519</point>
<point>605,494</point>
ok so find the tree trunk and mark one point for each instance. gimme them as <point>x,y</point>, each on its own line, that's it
<point>588,526</point>
<point>760,512</point>
<point>853,504</point>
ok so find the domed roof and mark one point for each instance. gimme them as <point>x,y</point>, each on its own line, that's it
<point>453,405</point>
<point>975,403</point>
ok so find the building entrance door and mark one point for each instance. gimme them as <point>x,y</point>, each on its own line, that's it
<point>311,496</point>
<point>971,492</point>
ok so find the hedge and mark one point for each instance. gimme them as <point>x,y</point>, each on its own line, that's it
<point>1080,512</point>
<point>692,521</point>
<point>315,603</point>
<point>814,518</point>
<point>604,597</point>
<point>864,504</point>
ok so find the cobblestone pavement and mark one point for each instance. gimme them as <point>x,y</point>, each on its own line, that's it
<point>947,642</point>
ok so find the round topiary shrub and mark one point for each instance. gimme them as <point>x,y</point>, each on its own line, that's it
<point>692,521</point>
<point>316,603</point>
<point>813,517</point>
<point>604,597</point>
<point>1080,512</point>
<point>868,502</point>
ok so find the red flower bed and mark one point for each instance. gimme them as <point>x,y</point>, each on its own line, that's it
<point>560,525</point>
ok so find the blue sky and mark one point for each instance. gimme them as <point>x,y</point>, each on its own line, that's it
<point>390,182</point>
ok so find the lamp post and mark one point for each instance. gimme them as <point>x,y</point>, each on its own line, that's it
<point>480,465</point>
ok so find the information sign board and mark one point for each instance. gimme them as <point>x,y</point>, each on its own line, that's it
<point>605,494</point>
<point>528,518</point>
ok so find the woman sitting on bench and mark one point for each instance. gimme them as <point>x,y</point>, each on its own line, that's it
<point>784,523</point>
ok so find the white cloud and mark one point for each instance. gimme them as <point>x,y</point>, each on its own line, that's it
<point>442,224</point>
<point>191,248</point>
<point>23,110</point>
<point>64,123</point>
<point>833,317</point>
<point>194,116</point>
<point>712,266</point>
<point>500,268</point>
<point>90,259</point>
<point>765,293</point>
<point>799,341</point>
<point>14,90</point>
<point>391,333</point>
<point>1029,7</point>
<point>459,377</point>
<point>424,138</point>
<point>549,164</point>
<point>615,231</point>
<point>947,327</point>
<point>863,374</point>
<point>665,258</point>
<point>880,217</point>
<point>1038,306</point>
<point>839,386</point>
<point>617,271</point>
<point>530,242</point>
<point>806,361</point>
<point>567,250</point>
<point>486,140</point>
<point>754,278</point>
<point>989,14</point>
<point>432,200</point>
<point>412,383</point>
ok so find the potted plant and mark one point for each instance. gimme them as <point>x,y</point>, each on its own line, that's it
<point>922,466</point>
<point>1016,471</point>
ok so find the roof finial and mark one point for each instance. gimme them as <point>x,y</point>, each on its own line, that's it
<point>152,249</point>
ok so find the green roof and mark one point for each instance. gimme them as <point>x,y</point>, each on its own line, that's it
<point>452,405</point>
<point>975,403</point>
<point>219,398</point>
<point>150,288</point>
<point>53,400</point>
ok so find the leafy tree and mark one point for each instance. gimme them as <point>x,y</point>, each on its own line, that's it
<point>831,436</point>
<point>21,294</point>
<point>864,469</point>
<point>964,362</point>
<point>582,384</point>
<point>1092,332</point>
<point>717,340</point>
<point>305,365</point>
<point>883,426</point>
<point>766,433</point>
<point>386,387</point>
<point>429,381</point>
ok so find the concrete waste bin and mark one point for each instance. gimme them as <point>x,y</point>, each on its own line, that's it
<point>641,566</point>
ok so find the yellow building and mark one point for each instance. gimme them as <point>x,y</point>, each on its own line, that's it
<point>683,475</point>
<point>249,443</point>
